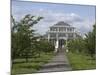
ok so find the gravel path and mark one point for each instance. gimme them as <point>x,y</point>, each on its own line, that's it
<point>57,64</point>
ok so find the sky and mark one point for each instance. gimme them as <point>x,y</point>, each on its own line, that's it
<point>80,16</point>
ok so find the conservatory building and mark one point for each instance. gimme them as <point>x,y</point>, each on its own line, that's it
<point>59,33</point>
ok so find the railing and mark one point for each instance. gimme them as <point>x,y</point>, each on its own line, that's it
<point>59,38</point>
<point>61,32</point>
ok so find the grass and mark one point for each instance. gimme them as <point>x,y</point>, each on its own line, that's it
<point>34,64</point>
<point>81,61</point>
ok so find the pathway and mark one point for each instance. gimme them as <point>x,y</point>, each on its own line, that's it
<point>57,64</point>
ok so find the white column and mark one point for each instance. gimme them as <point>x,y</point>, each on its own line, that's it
<point>57,29</point>
<point>66,36</point>
<point>66,30</point>
<point>74,35</point>
<point>57,41</point>
<point>56,46</point>
<point>57,36</point>
<point>66,42</point>
<point>48,37</point>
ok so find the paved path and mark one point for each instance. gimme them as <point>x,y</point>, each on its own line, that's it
<point>57,64</point>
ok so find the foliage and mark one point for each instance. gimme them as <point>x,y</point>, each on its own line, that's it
<point>24,42</point>
<point>76,45</point>
<point>43,46</point>
<point>22,36</point>
<point>85,45</point>
<point>46,46</point>
<point>91,41</point>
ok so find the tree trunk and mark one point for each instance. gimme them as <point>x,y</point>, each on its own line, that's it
<point>26,57</point>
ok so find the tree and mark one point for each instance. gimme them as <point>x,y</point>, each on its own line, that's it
<point>91,41</point>
<point>43,46</point>
<point>76,45</point>
<point>86,45</point>
<point>22,36</point>
<point>46,46</point>
<point>13,39</point>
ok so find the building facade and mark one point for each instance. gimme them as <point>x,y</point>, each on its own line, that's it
<point>59,33</point>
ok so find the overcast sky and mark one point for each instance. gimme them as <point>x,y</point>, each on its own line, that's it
<point>80,16</point>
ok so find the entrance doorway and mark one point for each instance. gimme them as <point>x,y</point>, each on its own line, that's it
<point>61,42</point>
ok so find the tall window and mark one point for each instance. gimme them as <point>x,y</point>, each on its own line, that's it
<point>62,29</point>
<point>52,35</point>
<point>70,29</point>
<point>53,29</point>
<point>61,35</point>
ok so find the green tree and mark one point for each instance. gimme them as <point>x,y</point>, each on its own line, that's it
<point>23,35</point>
<point>43,46</point>
<point>91,41</point>
<point>46,46</point>
<point>86,45</point>
<point>76,45</point>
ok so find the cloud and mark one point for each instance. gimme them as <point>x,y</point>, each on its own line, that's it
<point>52,17</point>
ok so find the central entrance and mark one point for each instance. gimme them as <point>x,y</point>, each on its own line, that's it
<point>61,43</point>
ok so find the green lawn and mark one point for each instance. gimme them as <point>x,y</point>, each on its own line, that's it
<point>81,61</point>
<point>21,67</point>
